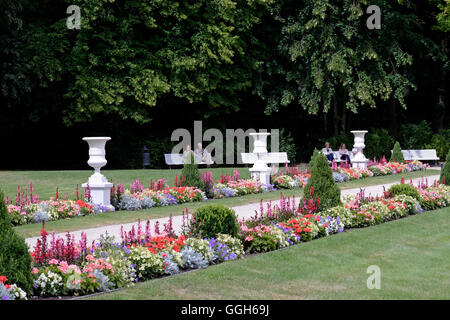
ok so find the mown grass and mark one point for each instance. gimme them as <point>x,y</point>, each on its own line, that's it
<point>46,182</point>
<point>120,217</point>
<point>412,254</point>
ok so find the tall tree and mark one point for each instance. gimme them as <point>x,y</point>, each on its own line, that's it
<point>128,55</point>
<point>328,56</point>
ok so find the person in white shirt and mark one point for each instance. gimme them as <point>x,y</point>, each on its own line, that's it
<point>328,152</point>
<point>344,153</point>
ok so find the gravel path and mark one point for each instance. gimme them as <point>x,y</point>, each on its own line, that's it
<point>243,211</point>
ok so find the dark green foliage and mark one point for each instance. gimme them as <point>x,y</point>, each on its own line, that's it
<point>337,140</point>
<point>405,189</point>
<point>397,154</point>
<point>213,219</point>
<point>332,58</point>
<point>378,143</point>
<point>15,260</point>
<point>441,143</point>
<point>313,158</point>
<point>416,136</point>
<point>287,144</point>
<point>323,183</point>
<point>445,174</point>
<point>192,174</point>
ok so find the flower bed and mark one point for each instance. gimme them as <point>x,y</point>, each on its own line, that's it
<point>63,267</point>
<point>10,291</point>
<point>28,209</point>
<point>343,173</point>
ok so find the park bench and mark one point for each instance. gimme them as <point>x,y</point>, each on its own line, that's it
<point>269,158</point>
<point>177,159</point>
<point>337,157</point>
<point>421,155</point>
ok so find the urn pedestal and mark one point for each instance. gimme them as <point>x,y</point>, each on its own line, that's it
<point>100,188</point>
<point>359,160</point>
<point>260,171</point>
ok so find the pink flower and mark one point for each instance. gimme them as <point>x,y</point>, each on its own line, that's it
<point>53,261</point>
<point>35,271</point>
<point>90,257</point>
<point>249,238</point>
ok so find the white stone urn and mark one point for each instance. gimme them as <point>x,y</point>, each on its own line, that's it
<point>359,160</point>
<point>260,171</point>
<point>99,186</point>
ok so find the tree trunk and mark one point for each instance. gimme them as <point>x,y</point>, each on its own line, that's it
<point>443,89</point>
<point>393,118</point>
<point>325,123</point>
<point>344,120</point>
<point>335,117</point>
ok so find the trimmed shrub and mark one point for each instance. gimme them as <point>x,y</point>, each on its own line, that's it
<point>313,157</point>
<point>192,174</point>
<point>445,173</point>
<point>15,260</point>
<point>214,219</point>
<point>323,183</point>
<point>405,189</point>
<point>397,154</point>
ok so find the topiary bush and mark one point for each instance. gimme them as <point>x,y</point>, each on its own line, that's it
<point>397,155</point>
<point>313,157</point>
<point>323,183</point>
<point>405,189</point>
<point>211,220</point>
<point>15,260</point>
<point>192,174</point>
<point>445,173</point>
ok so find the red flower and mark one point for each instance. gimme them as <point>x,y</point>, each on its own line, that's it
<point>3,279</point>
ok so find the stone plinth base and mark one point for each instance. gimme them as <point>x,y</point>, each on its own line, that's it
<point>100,193</point>
<point>263,175</point>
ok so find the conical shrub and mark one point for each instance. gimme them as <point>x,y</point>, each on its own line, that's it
<point>15,260</point>
<point>313,157</point>
<point>397,155</point>
<point>192,175</point>
<point>445,173</point>
<point>324,186</point>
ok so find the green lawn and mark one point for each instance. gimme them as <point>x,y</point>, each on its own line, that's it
<point>46,182</point>
<point>412,253</point>
<point>158,212</point>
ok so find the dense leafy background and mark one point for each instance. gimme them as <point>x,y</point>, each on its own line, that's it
<point>139,69</point>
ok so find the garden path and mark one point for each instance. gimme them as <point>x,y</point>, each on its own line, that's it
<point>243,211</point>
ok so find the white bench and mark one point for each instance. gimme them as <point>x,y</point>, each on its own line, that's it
<point>337,156</point>
<point>270,157</point>
<point>426,154</point>
<point>177,159</point>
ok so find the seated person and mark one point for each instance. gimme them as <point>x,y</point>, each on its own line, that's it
<point>187,154</point>
<point>344,153</point>
<point>328,152</point>
<point>199,154</point>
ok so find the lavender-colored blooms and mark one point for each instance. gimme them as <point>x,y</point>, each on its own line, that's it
<point>41,216</point>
